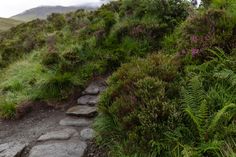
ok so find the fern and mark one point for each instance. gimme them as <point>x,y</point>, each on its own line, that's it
<point>209,127</point>
<point>216,120</point>
<point>226,75</point>
<point>194,94</point>
<point>195,105</point>
<point>218,53</point>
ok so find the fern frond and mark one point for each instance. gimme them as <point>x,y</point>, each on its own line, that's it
<point>226,75</point>
<point>215,121</point>
<point>218,53</point>
<point>194,94</point>
<point>195,119</point>
<point>203,114</point>
<point>212,147</point>
<point>189,151</point>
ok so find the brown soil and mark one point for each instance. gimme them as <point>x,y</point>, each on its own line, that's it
<point>95,151</point>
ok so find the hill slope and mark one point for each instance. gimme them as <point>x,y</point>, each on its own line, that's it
<point>43,11</point>
<point>173,84</point>
<point>6,24</point>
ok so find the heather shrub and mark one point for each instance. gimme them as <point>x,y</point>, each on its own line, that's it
<point>139,101</point>
<point>204,30</point>
<point>57,20</point>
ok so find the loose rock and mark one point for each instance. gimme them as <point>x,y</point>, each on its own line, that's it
<point>58,135</point>
<point>87,134</point>
<point>12,149</point>
<point>66,149</point>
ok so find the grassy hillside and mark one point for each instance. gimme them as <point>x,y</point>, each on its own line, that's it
<point>172,85</point>
<point>6,24</point>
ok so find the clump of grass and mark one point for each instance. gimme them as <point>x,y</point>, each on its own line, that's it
<point>7,109</point>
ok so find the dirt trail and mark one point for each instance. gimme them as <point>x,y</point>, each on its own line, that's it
<point>31,126</point>
<point>65,133</point>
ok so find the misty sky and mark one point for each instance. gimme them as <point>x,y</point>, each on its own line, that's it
<point>9,8</point>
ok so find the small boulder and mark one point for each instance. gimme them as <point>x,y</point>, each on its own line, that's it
<point>87,134</point>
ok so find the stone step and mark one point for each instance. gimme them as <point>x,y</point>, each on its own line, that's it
<point>65,149</point>
<point>12,149</point>
<point>94,88</point>
<point>82,111</point>
<point>88,100</point>
<point>77,122</point>
<point>64,134</point>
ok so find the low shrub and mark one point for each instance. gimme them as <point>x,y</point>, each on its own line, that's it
<point>138,103</point>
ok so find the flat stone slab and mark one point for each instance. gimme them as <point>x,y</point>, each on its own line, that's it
<point>12,149</point>
<point>82,111</point>
<point>94,88</point>
<point>77,122</point>
<point>58,135</point>
<point>91,90</point>
<point>66,149</point>
<point>88,100</point>
<point>87,134</point>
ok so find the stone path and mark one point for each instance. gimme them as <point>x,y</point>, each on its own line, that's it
<point>71,141</point>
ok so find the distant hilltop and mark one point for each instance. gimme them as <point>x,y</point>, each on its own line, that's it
<point>43,11</point>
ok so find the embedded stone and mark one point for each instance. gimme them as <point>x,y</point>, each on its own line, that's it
<point>94,88</point>
<point>88,100</point>
<point>91,90</point>
<point>82,111</point>
<point>77,122</point>
<point>58,135</point>
<point>65,149</point>
<point>12,149</point>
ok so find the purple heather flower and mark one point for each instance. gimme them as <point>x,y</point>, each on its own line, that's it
<point>194,39</point>
<point>195,52</point>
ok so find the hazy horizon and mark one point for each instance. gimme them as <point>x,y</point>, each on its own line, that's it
<point>10,8</point>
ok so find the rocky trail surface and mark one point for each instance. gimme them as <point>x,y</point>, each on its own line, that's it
<point>47,132</point>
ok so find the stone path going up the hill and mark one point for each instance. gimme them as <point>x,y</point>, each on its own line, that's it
<point>69,141</point>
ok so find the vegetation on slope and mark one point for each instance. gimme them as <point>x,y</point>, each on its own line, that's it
<point>65,51</point>
<point>179,102</point>
<point>6,24</point>
<point>172,91</point>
